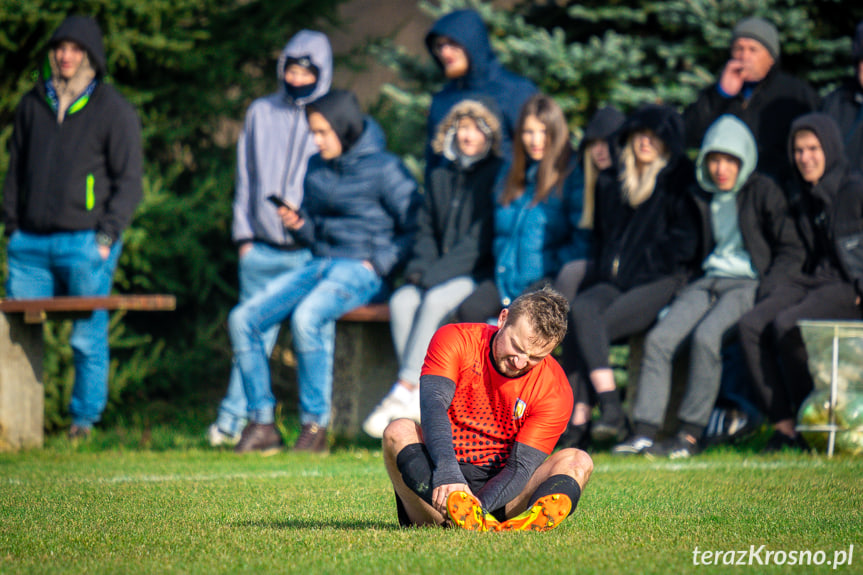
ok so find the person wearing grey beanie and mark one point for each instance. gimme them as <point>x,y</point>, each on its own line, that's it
<point>752,87</point>
<point>845,104</point>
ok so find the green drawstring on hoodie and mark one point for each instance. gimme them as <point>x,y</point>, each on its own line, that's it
<point>91,195</point>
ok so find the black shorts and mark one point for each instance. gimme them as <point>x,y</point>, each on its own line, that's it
<point>415,465</point>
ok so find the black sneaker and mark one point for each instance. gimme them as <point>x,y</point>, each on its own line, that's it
<point>635,445</point>
<point>608,428</point>
<point>79,433</point>
<point>260,437</point>
<point>577,436</point>
<point>312,438</point>
<point>677,447</point>
<point>781,442</point>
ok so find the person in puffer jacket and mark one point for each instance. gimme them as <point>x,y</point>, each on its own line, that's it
<point>74,181</point>
<point>826,200</point>
<point>452,251</point>
<point>358,217</point>
<point>536,206</point>
<point>273,151</point>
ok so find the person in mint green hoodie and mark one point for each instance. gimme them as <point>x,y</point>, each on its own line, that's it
<point>749,243</point>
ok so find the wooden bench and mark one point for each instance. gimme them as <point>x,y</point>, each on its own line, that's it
<point>365,366</point>
<point>22,396</point>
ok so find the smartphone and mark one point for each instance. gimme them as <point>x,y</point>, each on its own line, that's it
<point>279,203</point>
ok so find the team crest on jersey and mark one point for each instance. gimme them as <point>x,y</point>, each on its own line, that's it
<point>518,411</point>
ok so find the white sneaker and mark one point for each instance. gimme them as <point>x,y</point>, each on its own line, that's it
<point>393,406</point>
<point>217,437</point>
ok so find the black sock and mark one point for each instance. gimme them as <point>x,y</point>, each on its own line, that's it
<point>558,484</point>
<point>414,464</point>
<point>609,404</point>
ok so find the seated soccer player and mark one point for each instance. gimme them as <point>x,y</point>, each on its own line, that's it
<point>494,403</point>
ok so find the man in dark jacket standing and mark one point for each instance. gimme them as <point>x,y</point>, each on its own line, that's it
<point>845,105</point>
<point>753,88</point>
<point>459,44</point>
<point>73,184</point>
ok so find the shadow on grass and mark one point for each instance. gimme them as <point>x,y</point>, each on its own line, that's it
<point>317,525</point>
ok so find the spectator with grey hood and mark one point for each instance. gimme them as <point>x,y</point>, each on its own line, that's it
<point>845,105</point>
<point>74,181</point>
<point>826,200</point>
<point>272,154</point>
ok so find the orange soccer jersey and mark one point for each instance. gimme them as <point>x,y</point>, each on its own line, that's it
<point>490,412</point>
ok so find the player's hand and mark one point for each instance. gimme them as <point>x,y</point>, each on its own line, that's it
<point>731,80</point>
<point>441,493</point>
<point>290,218</point>
<point>244,249</point>
<point>104,251</point>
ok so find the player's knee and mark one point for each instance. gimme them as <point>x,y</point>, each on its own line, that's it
<point>578,463</point>
<point>398,433</point>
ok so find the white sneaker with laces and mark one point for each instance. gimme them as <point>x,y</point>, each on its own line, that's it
<point>399,402</point>
<point>217,437</point>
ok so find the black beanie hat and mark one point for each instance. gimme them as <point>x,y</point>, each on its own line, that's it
<point>342,110</point>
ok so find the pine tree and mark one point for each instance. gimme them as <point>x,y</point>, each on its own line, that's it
<point>597,52</point>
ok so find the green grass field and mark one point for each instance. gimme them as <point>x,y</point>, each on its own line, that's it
<point>160,502</point>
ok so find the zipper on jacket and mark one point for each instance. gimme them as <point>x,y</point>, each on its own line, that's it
<point>91,196</point>
<point>614,265</point>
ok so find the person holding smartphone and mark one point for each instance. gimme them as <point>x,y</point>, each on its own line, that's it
<point>358,218</point>
<point>272,153</point>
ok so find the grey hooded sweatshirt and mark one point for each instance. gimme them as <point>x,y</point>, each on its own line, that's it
<point>729,257</point>
<point>275,145</point>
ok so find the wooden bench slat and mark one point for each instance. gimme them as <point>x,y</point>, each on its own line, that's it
<point>35,307</point>
<point>371,312</point>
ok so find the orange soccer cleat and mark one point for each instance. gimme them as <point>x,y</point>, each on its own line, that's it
<point>465,511</point>
<point>547,513</point>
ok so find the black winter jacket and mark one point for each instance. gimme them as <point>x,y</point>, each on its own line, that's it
<point>769,233</point>
<point>829,215</point>
<point>81,174</point>
<point>844,105</point>
<point>658,238</point>
<point>455,224</point>
<point>775,102</point>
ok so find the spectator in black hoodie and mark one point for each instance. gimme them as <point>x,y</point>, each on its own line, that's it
<point>74,181</point>
<point>826,200</point>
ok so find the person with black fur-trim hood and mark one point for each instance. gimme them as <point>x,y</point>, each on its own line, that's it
<point>74,181</point>
<point>451,253</point>
<point>752,87</point>
<point>646,237</point>
<point>845,105</point>
<point>826,200</point>
<point>459,44</point>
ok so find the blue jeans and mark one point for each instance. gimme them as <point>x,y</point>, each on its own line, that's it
<point>314,297</point>
<point>69,263</point>
<point>261,264</point>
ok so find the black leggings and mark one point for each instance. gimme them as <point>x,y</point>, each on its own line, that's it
<point>773,346</point>
<point>484,303</point>
<point>603,314</point>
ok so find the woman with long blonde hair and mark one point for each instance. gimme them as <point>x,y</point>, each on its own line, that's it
<point>646,239</point>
